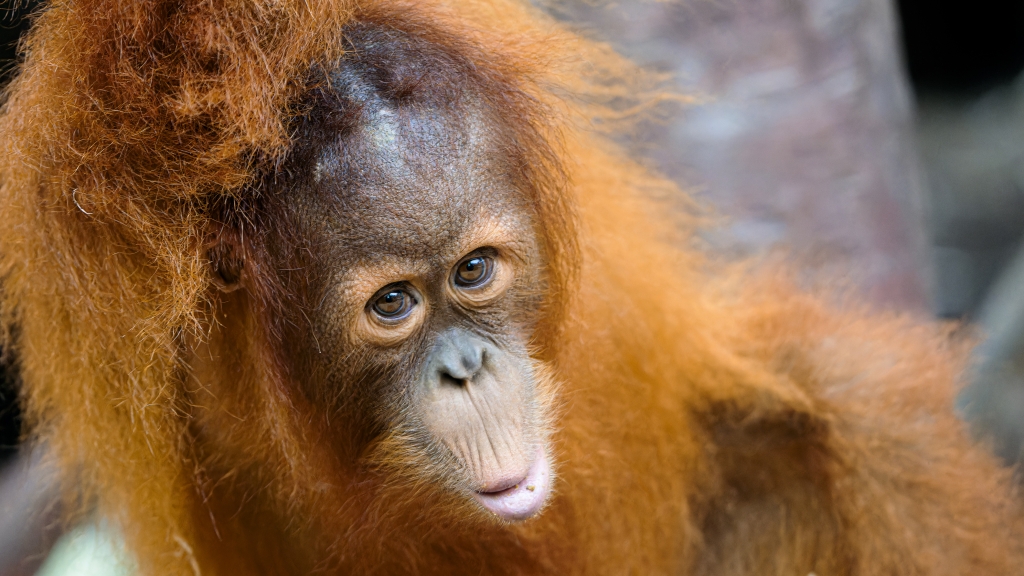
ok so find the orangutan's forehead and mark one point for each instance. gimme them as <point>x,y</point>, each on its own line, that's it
<point>415,182</point>
<point>421,220</point>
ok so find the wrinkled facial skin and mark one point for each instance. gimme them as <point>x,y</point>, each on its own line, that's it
<point>429,285</point>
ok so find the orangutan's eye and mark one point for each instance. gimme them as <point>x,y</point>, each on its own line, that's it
<point>474,271</point>
<point>393,303</point>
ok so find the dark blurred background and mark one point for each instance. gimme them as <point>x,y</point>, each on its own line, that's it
<point>878,143</point>
<point>12,25</point>
<point>874,141</point>
<point>962,48</point>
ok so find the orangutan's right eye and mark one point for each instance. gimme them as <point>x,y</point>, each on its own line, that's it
<point>393,303</point>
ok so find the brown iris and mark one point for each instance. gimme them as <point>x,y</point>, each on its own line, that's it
<point>393,304</point>
<point>473,271</point>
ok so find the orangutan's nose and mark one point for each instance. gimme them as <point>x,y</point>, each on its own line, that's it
<point>458,357</point>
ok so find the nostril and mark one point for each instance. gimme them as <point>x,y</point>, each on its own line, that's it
<point>447,378</point>
<point>458,359</point>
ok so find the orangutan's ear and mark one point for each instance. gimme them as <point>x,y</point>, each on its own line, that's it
<point>227,258</point>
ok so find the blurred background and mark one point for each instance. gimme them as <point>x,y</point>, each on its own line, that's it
<point>877,142</point>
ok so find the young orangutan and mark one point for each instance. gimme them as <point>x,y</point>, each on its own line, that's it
<point>349,287</point>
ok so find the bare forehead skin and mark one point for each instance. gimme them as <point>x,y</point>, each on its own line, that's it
<point>413,186</point>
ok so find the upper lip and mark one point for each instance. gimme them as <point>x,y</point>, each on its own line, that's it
<point>519,500</point>
<point>504,485</point>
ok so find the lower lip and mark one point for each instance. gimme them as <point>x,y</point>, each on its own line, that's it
<point>525,499</point>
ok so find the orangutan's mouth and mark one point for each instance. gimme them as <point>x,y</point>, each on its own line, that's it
<point>524,498</point>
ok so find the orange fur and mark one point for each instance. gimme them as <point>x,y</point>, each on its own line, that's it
<point>703,426</point>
